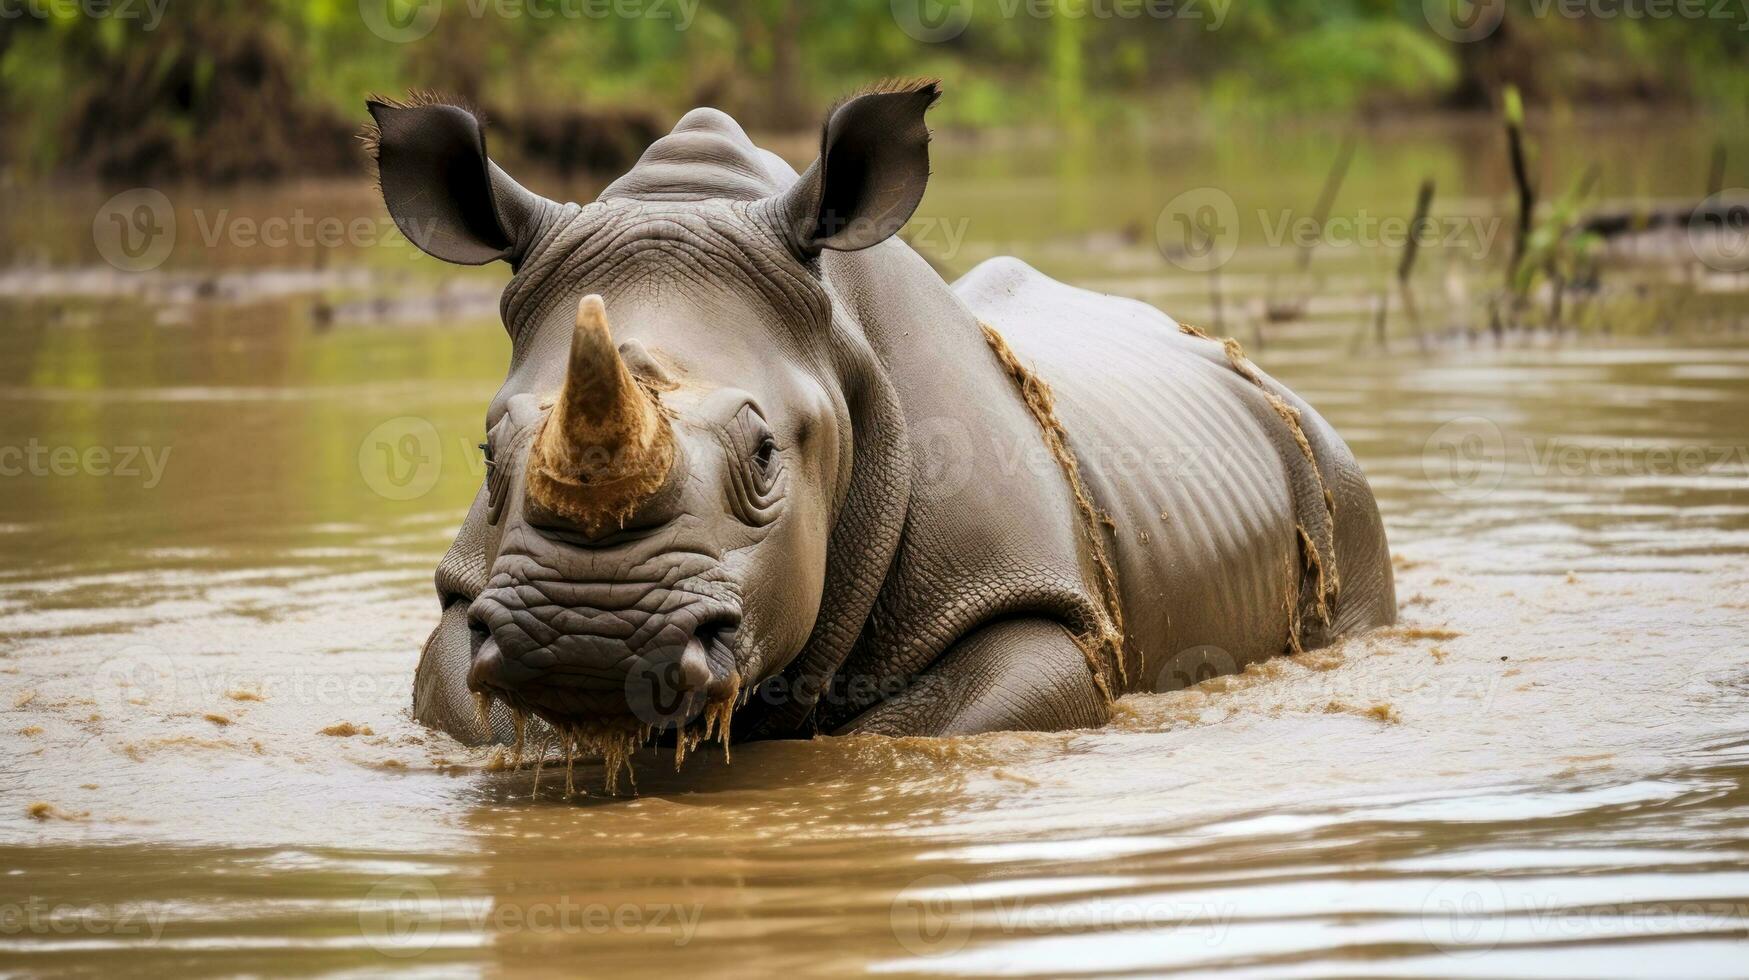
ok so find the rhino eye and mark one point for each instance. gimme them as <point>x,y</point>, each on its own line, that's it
<point>755,486</point>
<point>497,481</point>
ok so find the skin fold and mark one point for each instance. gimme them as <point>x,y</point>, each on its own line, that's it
<point>844,514</point>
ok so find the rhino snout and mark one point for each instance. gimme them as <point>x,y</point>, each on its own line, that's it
<point>656,656</point>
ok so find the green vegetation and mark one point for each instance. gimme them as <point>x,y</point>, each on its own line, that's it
<point>283,78</point>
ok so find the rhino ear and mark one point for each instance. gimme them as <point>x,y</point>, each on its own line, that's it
<point>444,194</point>
<point>872,169</point>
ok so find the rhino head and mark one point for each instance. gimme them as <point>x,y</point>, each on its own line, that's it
<point>686,448</point>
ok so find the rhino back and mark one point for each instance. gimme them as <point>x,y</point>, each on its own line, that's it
<point>1183,453</point>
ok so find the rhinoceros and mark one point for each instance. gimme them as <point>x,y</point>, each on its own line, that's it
<point>756,470</point>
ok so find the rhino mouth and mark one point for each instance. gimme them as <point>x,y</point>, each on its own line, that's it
<point>583,668</point>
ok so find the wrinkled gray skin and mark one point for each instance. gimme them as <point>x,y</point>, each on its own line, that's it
<point>865,529</point>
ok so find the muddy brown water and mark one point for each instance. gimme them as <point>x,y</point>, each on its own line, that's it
<point>208,629</point>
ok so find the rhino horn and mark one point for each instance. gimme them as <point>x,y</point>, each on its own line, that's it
<point>606,446</point>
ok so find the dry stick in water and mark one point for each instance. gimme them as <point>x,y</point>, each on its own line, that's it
<point>1215,293</point>
<point>1380,301</point>
<point>1406,267</point>
<point>1526,206</point>
<point>539,761</point>
<point>1708,214</point>
<point>1327,197</point>
<point>1294,307</point>
<point>569,753</point>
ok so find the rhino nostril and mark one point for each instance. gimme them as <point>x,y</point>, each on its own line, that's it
<point>695,668</point>
<point>477,611</point>
<point>487,665</point>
